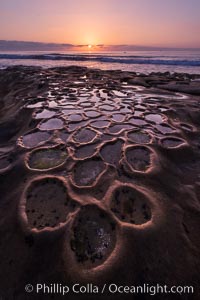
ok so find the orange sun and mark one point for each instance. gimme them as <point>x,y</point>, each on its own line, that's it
<point>89,46</point>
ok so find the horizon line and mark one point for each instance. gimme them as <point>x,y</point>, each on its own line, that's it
<point>102,45</point>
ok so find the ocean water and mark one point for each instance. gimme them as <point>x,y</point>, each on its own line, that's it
<point>138,61</point>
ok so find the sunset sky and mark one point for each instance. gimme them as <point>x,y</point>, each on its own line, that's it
<point>172,23</point>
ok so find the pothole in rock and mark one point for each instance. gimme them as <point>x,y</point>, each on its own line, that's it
<point>85,104</point>
<point>139,158</point>
<point>93,236</point>
<point>51,124</point>
<point>165,129</point>
<point>106,107</point>
<point>85,95</point>
<point>115,129</point>
<point>44,114</point>
<point>111,152</point>
<point>130,206</point>
<point>118,117</point>
<point>92,113</point>
<point>140,107</point>
<point>100,124</point>
<point>48,203</point>
<point>86,172</point>
<point>46,158</point>
<point>155,118</point>
<point>84,135</point>
<point>118,93</point>
<point>70,111</point>
<point>35,139</point>
<point>85,151</point>
<point>75,118</point>
<point>172,142</point>
<point>139,136</point>
<point>137,121</point>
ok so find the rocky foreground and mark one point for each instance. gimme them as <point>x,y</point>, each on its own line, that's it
<point>99,180</point>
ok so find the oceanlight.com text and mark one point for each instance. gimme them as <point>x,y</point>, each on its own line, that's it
<point>57,288</point>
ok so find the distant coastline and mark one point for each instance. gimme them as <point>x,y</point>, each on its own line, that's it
<point>12,45</point>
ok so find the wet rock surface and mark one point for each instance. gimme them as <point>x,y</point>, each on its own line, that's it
<point>130,205</point>
<point>99,173</point>
<point>93,236</point>
<point>47,203</point>
<point>46,158</point>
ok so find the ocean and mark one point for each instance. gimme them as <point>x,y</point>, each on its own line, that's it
<point>137,61</point>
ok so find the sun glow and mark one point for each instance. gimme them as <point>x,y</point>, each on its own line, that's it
<point>89,46</point>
